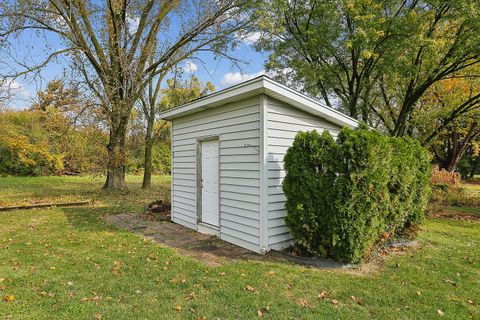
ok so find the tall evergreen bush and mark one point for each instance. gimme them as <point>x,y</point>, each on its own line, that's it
<point>345,196</point>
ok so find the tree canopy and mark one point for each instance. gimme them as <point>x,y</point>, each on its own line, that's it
<point>120,46</point>
<point>372,58</point>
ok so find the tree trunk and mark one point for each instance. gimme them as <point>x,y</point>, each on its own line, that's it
<point>449,164</point>
<point>457,148</point>
<point>117,156</point>
<point>147,174</point>
<point>474,167</point>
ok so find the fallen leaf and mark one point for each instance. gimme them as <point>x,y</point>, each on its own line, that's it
<point>201,318</point>
<point>271,273</point>
<point>43,293</point>
<point>418,293</point>
<point>9,298</point>
<point>178,308</point>
<point>251,289</point>
<point>323,294</point>
<point>70,283</point>
<point>97,316</point>
<point>52,268</point>
<point>334,301</point>
<point>450,281</point>
<point>471,302</point>
<point>84,299</point>
<point>304,303</point>
<point>116,268</point>
<point>190,296</point>
<point>2,279</point>
<point>262,311</point>
<point>221,274</point>
<point>357,300</point>
<point>440,312</point>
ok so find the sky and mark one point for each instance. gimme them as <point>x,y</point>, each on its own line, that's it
<point>221,72</point>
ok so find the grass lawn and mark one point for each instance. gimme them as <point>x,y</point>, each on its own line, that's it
<point>472,190</point>
<point>69,264</point>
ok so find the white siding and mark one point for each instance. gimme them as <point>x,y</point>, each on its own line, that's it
<point>283,124</point>
<point>236,125</point>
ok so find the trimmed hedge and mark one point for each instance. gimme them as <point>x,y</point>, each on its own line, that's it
<point>345,196</point>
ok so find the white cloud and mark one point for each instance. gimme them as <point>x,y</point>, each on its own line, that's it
<point>251,38</point>
<point>231,78</point>
<point>190,67</point>
<point>15,88</point>
<point>132,23</point>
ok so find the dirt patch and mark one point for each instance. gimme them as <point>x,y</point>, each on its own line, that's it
<point>376,263</point>
<point>463,216</point>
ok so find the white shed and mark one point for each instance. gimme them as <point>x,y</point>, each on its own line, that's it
<point>228,151</point>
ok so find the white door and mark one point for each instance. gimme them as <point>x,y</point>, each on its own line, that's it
<point>209,183</point>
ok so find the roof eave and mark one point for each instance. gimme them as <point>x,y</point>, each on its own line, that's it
<point>308,104</point>
<point>236,93</point>
<point>267,86</point>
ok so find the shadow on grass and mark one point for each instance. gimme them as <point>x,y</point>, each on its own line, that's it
<point>88,219</point>
<point>134,200</point>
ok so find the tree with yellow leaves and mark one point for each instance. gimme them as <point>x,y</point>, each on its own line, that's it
<point>155,99</point>
<point>448,119</point>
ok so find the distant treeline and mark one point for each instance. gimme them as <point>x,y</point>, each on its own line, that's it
<point>37,142</point>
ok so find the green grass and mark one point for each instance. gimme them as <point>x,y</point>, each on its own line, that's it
<point>69,264</point>
<point>472,189</point>
<point>471,201</point>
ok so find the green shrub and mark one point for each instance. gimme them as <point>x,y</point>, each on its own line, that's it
<point>345,196</point>
<point>309,173</point>
<point>466,165</point>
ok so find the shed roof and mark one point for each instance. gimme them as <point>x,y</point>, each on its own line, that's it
<point>257,86</point>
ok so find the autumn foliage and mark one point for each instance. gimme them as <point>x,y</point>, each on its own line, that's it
<point>38,143</point>
<point>442,176</point>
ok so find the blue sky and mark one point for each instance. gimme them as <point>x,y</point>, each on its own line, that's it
<point>221,72</point>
